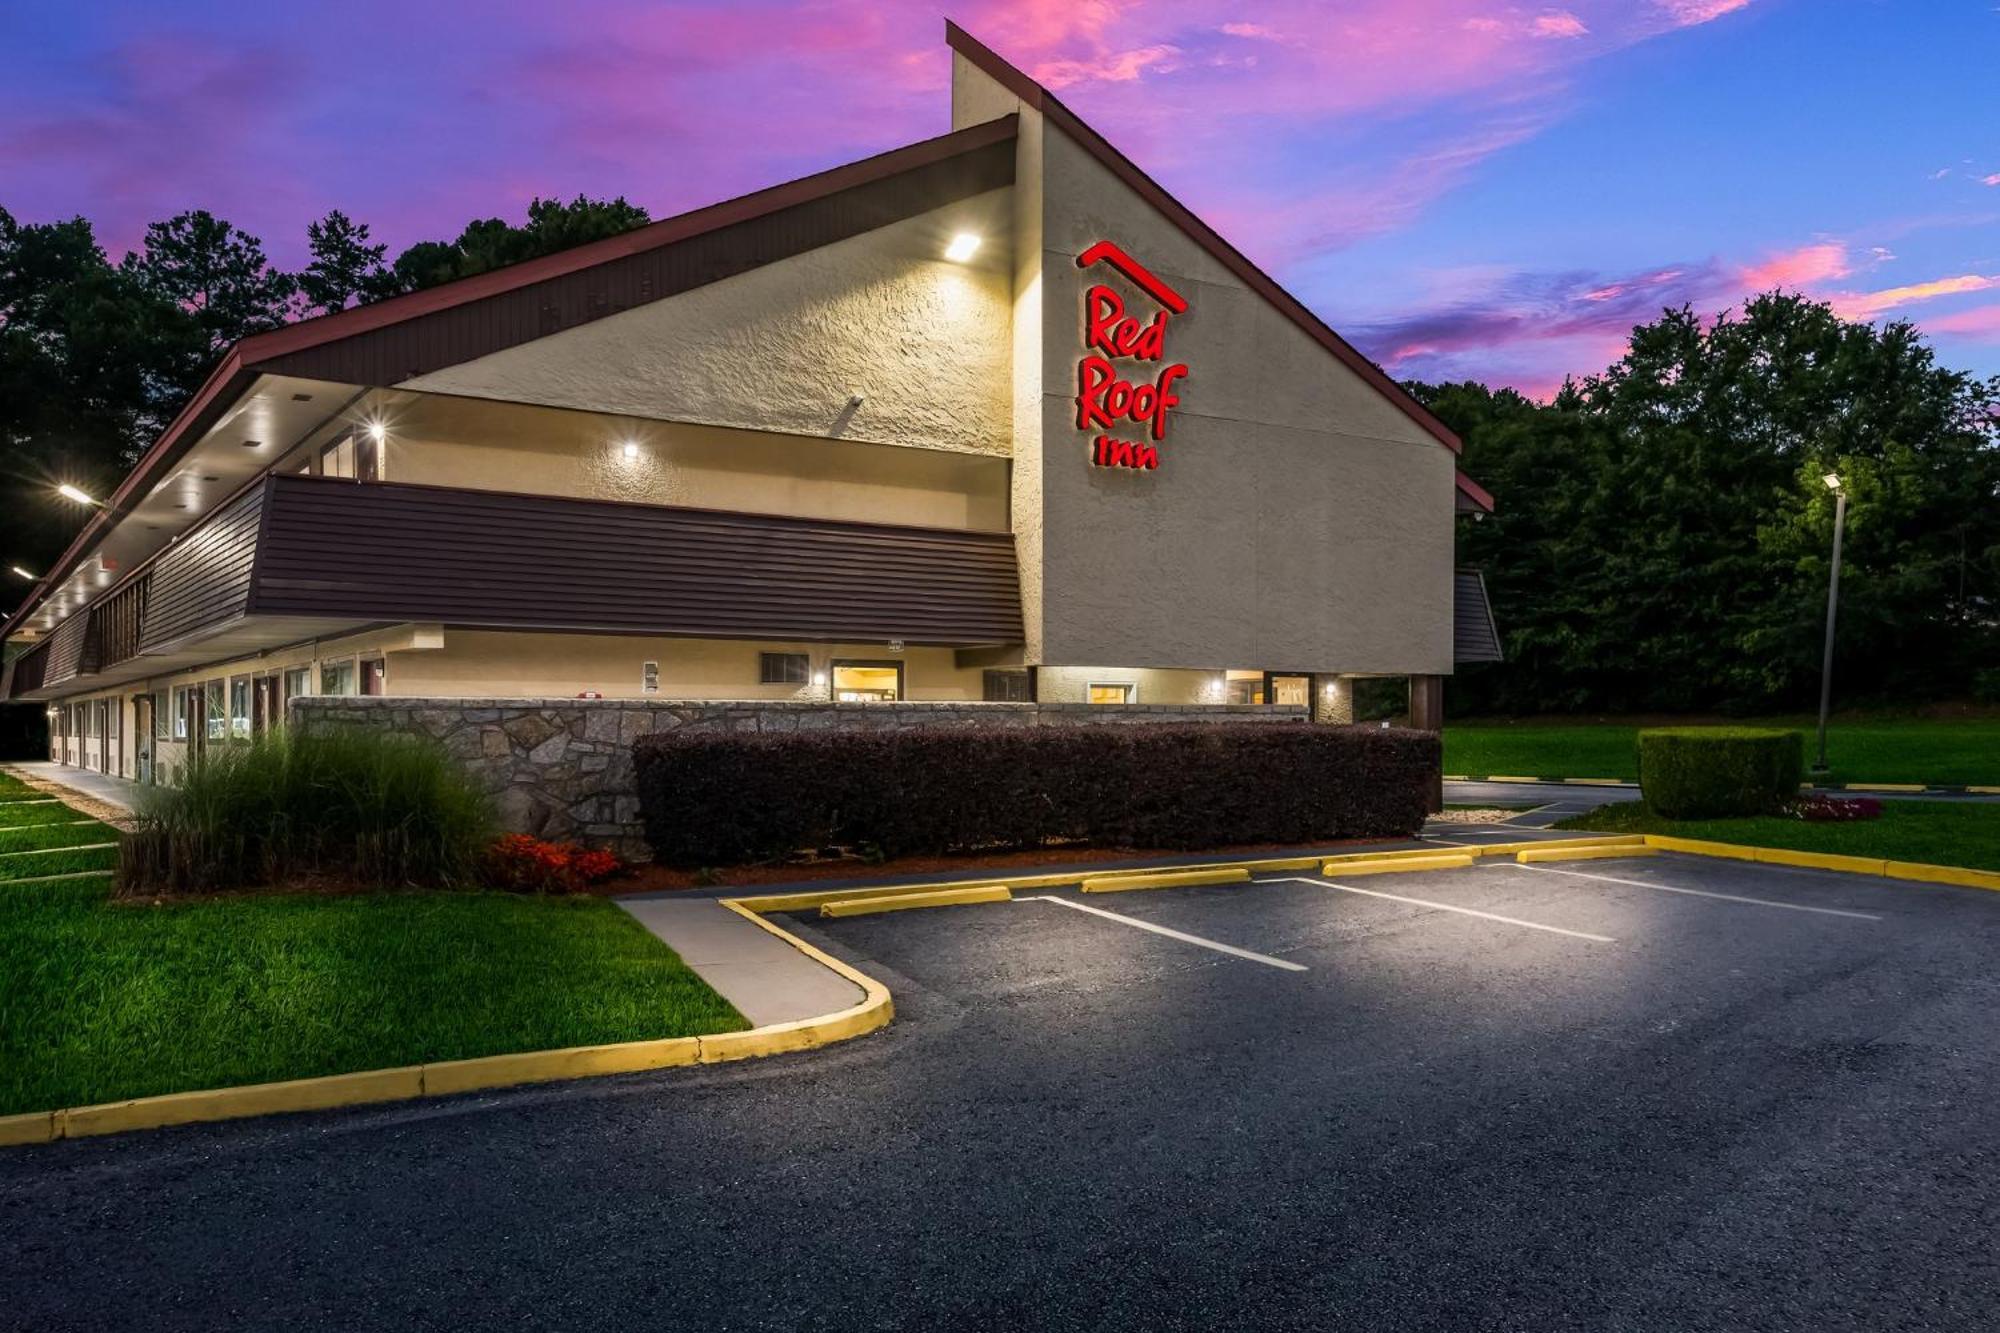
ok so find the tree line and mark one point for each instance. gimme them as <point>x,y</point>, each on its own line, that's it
<point>1662,536</point>
<point>97,355</point>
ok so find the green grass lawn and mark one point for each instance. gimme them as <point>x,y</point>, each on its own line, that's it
<point>1949,833</point>
<point>104,1000</point>
<point>1947,751</point>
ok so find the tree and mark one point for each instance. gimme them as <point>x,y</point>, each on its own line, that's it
<point>1663,532</point>
<point>344,266</point>
<point>218,278</point>
<point>490,243</point>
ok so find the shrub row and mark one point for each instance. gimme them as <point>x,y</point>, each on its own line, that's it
<point>1719,772</point>
<point>723,799</point>
<point>357,806</point>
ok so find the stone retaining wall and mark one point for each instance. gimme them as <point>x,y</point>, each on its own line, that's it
<point>562,768</point>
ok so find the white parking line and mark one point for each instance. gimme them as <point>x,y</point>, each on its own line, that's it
<point>1695,893</point>
<point>1447,907</point>
<point>1182,936</point>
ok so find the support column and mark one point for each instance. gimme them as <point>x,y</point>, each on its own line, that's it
<point>1427,714</point>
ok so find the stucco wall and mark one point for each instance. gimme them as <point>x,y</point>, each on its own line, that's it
<point>443,441</point>
<point>1297,520</point>
<point>479,662</point>
<point>562,768</point>
<point>782,347</point>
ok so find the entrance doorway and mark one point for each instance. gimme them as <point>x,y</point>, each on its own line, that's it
<point>867,682</point>
<point>142,737</point>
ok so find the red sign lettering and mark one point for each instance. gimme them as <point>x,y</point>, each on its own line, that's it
<point>1105,399</point>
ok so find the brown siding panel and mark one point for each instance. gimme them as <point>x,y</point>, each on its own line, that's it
<point>460,333</point>
<point>203,579</point>
<point>66,645</point>
<point>29,671</point>
<point>391,552</point>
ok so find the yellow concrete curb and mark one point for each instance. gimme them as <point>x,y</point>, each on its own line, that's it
<point>1386,865</point>
<point>445,1077</point>
<point>1512,848</point>
<point>977,893</point>
<point>1456,777</point>
<point>1885,786</point>
<point>1963,876</point>
<point>1533,855</point>
<point>1165,879</point>
<point>1984,791</point>
<point>1596,782</point>
<point>1501,778</point>
<point>1915,871</point>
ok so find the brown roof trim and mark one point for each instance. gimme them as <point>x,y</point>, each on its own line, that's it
<point>1042,100</point>
<point>239,367</point>
<point>1474,492</point>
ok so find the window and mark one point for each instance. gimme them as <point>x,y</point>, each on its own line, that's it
<point>784,669</point>
<point>336,677</point>
<point>649,677</point>
<point>1115,692</point>
<point>93,719</point>
<point>183,711</point>
<point>239,709</point>
<point>1007,687</point>
<point>867,682</point>
<point>214,717</point>
<point>298,681</point>
<point>163,718</point>
<point>337,459</point>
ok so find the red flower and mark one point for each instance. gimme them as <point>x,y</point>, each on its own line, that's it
<point>533,865</point>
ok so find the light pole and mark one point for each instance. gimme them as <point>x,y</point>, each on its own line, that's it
<point>1832,481</point>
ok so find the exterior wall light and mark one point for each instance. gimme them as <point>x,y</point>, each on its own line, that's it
<point>963,247</point>
<point>69,492</point>
<point>631,449</point>
<point>377,431</point>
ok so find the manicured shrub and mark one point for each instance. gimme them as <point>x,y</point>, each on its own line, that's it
<point>723,799</point>
<point>350,806</point>
<point>1719,772</point>
<point>533,865</point>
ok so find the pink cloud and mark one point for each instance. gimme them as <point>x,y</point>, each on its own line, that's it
<point>1688,13</point>
<point>1557,23</point>
<point>1118,67</point>
<point>1994,179</point>
<point>1867,305</point>
<point>1980,322</point>
<point>1798,268</point>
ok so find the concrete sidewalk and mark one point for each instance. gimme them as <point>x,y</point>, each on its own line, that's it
<point>765,978</point>
<point>96,794</point>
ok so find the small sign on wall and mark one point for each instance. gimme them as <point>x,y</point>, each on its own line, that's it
<point>649,678</point>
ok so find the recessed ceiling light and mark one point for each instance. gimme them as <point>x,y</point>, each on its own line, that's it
<point>211,479</point>
<point>182,505</point>
<point>302,398</point>
<point>253,444</point>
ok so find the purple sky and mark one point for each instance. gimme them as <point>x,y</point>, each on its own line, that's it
<point>1465,188</point>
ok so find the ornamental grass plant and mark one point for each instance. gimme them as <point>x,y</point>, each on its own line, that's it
<point>342,807</point>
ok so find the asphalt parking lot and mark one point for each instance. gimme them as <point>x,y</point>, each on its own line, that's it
<point>1648,1093</point>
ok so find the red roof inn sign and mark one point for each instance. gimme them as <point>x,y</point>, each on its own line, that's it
<point>1107,401</point>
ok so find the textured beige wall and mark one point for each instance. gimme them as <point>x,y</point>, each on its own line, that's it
<point>1298,520</point>
<point>782,347</point>
<point>1071,684</point>
<point>708,467</point>
<point>476,663</point>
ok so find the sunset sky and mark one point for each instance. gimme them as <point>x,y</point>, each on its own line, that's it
<point>1467,189</point>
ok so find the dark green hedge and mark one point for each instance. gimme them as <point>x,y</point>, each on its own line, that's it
<point>1717,772</point>
<point>720,799</point>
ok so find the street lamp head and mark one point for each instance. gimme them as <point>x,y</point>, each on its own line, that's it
<point>1832,480</point>
<point>69,492</point>
<point>22,572</point>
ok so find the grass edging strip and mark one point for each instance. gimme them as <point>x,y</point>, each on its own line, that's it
<point>481,1073</point>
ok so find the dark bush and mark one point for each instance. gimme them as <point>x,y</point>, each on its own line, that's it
<point>722,799</point>
<point>1719,772</point>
